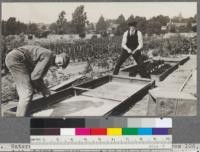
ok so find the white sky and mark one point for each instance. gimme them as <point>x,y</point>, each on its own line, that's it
<point>48,12</point>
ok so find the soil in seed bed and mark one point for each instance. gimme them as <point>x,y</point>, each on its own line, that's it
<point>161,70</point>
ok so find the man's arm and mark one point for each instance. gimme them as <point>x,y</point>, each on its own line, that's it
<point>41,66</point>
<point>124,40</point>
<point>39,71</point>
<point>140,42</point>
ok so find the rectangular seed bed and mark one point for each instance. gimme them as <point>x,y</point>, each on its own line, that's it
<point>158,69</point>
<point>108,95</point>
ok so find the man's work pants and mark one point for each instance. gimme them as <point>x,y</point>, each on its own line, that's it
<point>138,58</point>
<point>15,61</point>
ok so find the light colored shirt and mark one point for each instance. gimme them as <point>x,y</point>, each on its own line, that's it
<point>124,41</point>
<point>38,60</point>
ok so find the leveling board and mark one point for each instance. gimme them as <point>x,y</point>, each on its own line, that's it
<point>93,133</point>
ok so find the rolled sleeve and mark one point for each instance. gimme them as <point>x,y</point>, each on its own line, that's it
<point>140,41</point>
<point>124,41</point>
<point>42,65</point>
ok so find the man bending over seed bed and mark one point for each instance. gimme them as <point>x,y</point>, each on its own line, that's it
<point>28,64</point>
<point>132,44</point>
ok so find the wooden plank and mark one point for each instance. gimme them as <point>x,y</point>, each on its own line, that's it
<point>131,67</point>
<point>184,60</point>
<point>125,79</point>
<point>80,88</point>
<point>132,100</point>
<point>168,71</point>
<point>66,83</point>
<point>95,82</point>
<point>181,60</point>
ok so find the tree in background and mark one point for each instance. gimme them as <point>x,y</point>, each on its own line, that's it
<point>21,27</point>
<point>43,28</point>
<point>101,26</point>
<point>130,19</point>
<point>122,25</point>
<point>53,28</point>
<point>61,26</point>
<point>33,28</point>
<point>162,19</point>
<point>110,21</point>
<point>192,23</point>
<point>90,27</point>
<point>141,23</point>
<point>3,26</point>
<point>121,19</point>
<point>79,20</point>
<point>172,29</point>
<point>154,24</point>
<point>189,26</point>
<point>153,27</point>
<point>13,27</point>
<point>61,23</point>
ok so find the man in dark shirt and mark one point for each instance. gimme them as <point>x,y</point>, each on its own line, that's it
<point>28,64</point>
<point>132,44</point>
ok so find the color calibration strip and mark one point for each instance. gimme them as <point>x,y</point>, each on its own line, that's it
<point>100,131</point>
<point>102,123</point>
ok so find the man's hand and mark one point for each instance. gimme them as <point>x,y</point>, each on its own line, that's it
<point>134,51</point>
<point>41,87</point>
<point>45,92</point>
<point>129,51</point>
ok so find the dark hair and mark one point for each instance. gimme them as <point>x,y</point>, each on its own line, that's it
<point>132,23</point>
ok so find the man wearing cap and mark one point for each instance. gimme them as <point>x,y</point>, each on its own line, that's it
<point>28,64</point>
<point>132,44</point>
